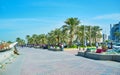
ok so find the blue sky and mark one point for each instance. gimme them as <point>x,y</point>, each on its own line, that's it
<point>19,18</point>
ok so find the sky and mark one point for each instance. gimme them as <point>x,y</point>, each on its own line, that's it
<point>19,18</point>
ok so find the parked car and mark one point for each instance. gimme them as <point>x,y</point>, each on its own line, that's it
<point>45,46</point>
<point>116,47</point>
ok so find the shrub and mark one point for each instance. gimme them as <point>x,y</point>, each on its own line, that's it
<point>73,46</point>
<point>104,47</point>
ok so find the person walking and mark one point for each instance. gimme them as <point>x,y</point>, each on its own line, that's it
<point>62,47</point>
<point>96,45</point>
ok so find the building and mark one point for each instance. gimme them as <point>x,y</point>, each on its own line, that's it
<point>113,29</point>
<point>105,37</point>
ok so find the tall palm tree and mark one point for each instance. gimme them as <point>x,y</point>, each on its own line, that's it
<point>42,39</point>
<point>31,40</point>
<point>81,34</point>
<point>88,34</point>
<point>64,36</point>
<point>27,38</point>
<point>20,41</point>
<point>57,34</point>
<point>51,37</point>
<point>71,26</point>
<point>96,33</point>
<point>117,34</point>
<point>34,37</point>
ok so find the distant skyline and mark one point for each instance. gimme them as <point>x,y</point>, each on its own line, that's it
<point>19,18</point>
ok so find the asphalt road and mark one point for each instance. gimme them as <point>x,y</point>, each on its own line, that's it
<point>44,62</point>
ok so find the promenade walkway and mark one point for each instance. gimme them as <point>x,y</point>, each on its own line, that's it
<point>43,62</point>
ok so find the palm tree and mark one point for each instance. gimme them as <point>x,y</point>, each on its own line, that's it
<point>42,39</point>
<point>64,36</point>
<point>88,34</point>
<point>27,38</point>
<point>57,35</point>
<point>96,33</point>
<point>81,34</point>
<point>68,33</point>
<point>71,26</point>
<point>34,37</point>
<point>51,37</point>
<point>117,34</point>
<point>20,41</point>
<point>9,42</point>
<point>31,41</point>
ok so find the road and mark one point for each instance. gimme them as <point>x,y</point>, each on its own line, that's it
<point>44,62</point>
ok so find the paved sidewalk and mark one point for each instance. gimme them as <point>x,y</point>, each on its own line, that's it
<point>74,52</point>
<point>43,62</point>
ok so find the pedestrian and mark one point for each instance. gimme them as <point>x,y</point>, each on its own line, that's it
<point>62,47</point>
<point>96,45</point>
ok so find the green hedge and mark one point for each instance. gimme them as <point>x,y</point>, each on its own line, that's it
<point>73,46</point>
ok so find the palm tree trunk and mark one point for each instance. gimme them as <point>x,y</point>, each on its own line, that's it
<point>90,37</point>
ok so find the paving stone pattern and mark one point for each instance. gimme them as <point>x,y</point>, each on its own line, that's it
<point>44,62</point>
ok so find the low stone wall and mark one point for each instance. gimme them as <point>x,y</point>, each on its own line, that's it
<point>70,49</point>
<point>98,56</point>
<point>116,58</point>
<point>81,54</point>
<point>55,49</point>
<point>5,55</point>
